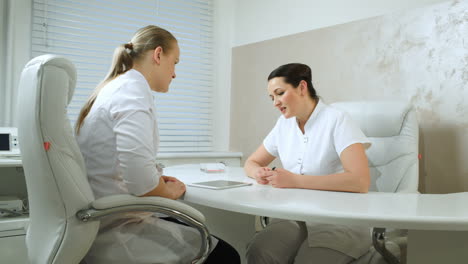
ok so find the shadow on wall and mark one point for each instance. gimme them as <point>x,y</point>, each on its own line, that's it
<point>442,147</point>
<point>422,167</point>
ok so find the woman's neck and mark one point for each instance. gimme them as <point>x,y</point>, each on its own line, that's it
<point>305,115</point>
<point>146,68</point>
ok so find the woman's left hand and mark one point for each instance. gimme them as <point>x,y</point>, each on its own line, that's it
<point>282,178</point>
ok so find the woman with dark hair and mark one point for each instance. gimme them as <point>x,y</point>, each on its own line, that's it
<point>118,136</point>
<point>320,148</point>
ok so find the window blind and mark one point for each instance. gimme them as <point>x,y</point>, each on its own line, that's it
<point>88,31</point>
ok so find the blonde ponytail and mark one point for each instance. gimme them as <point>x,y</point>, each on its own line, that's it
<point>147,38</point>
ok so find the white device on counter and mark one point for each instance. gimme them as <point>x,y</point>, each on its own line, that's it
<point>212,167</point>
<point>9,145</point>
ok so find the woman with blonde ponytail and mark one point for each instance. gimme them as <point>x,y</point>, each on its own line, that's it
<point>118,136</point>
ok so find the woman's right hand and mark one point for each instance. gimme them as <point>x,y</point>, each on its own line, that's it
<point>176,188</point>
<point>261,174</point>
<point>168,187</point>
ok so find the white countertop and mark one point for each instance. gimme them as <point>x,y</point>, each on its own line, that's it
<point>16,161</point>
<point>374,209</point>
<point>10,162</point>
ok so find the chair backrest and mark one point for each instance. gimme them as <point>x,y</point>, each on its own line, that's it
<point>54,168</point>
<point>392,128</point>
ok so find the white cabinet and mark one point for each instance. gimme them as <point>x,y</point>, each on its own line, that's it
<point>12,229</point>
<point>13,248</point>
<point>12,244</point>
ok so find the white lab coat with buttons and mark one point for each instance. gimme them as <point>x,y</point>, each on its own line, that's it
<point>317,152</point>
<point>119,141</point>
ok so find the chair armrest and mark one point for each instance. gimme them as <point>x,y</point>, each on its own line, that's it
<point>121,203</point>
<point>124,200</point>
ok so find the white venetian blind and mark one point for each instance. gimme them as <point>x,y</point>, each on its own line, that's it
<point>88,31</point>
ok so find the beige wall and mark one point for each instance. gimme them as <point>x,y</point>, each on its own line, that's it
<point>258,20</point>
<point>420,55</point>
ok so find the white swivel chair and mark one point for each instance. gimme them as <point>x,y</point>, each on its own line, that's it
<point>392,128</point>
<point>64,216</point>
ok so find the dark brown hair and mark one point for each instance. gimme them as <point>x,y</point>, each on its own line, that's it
<point>293,74</point>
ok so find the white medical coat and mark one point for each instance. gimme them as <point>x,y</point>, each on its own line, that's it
<point>317,152</point>
<point>119,140</point>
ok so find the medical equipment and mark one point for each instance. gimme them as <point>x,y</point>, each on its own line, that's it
<point>10,205</point>
<point>9,145</point>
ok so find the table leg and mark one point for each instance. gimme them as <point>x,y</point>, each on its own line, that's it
<point>431,247</point>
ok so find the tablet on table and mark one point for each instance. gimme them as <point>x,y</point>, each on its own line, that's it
<point>219,184</point>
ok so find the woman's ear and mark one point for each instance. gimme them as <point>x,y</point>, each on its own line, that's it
<point>157,53</point>
<point>303,87</point>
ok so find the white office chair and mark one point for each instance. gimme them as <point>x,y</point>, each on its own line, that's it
<point>392,128</point>
<point>64,216</point>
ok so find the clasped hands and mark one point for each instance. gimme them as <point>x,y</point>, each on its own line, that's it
<point>279,178</point>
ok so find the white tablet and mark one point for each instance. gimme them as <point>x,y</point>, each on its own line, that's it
<point>219,184</point>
